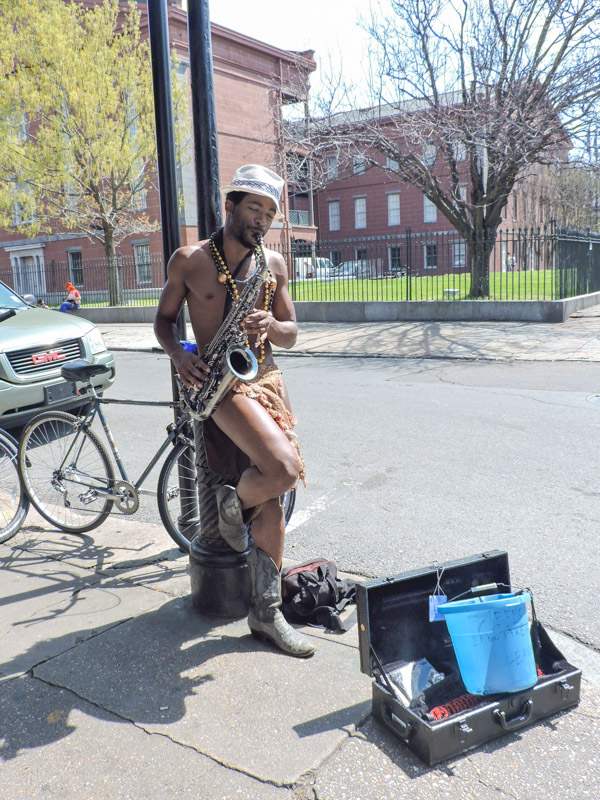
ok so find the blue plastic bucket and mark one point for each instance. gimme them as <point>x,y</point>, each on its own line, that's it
<point>492,642</point>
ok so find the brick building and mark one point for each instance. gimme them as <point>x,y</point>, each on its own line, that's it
<point>253,81</point>
<point>365,212</point>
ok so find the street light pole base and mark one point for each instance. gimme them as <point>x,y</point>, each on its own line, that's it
<point>220,581</point>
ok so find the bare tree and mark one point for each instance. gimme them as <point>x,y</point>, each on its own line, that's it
<point>470,94</point>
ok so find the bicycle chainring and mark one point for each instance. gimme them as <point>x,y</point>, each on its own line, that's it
<point>127,499</point>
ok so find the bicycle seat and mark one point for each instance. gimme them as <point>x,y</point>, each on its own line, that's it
<point>81,370</point>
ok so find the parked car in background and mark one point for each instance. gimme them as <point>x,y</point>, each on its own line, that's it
<point>306,268</point>
<point>399,271</point>
<point>353,269</point>
<point>34,344</point>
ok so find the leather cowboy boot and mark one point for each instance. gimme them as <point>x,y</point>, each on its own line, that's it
<point>232,526</point>
<point>265,619</point>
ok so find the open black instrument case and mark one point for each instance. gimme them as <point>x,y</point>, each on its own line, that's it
<point>395,629</point>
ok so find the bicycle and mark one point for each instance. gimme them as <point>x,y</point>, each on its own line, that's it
<point>14,503</point>
<point>70,479</point>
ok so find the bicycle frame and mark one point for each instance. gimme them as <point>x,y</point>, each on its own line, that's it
<point>174,431</point>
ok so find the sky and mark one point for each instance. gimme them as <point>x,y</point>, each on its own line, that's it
<point>329,27</point>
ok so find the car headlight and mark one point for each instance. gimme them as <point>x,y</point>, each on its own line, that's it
<point>95,342</point>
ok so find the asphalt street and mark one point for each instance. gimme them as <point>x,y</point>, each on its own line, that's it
<point>443,440</point>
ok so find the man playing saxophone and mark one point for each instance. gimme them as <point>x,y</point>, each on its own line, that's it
<point>255,416</point>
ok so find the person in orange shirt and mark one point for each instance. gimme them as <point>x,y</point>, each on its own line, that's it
<point>73,299</point>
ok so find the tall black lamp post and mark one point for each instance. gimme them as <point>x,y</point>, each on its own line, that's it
<point>219,576</point>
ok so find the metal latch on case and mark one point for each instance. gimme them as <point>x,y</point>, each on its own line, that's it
<point>564,688</point>
<point>462,730</point>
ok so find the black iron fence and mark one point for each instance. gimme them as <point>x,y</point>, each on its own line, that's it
<point>129,281</point>
<point>545,263</point>
<point>532,264</point>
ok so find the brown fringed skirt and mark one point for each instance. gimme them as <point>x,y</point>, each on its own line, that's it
<point>224,457</point>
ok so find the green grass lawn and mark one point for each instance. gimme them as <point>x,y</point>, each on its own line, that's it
<point>538,285</point>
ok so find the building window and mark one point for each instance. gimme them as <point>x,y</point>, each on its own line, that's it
<point>71,198</point>
<point>459,255</point>
<point>395,257</point>
<point>430,256</point>
<point>143,265</point>
<point>22,210</point>
<point>393,204</point>
<point>298,217</point>
<point>359,165</point>
<point>429,153</point>
<point>361,254</point>
<point>334,215</point>
<point>332,168</point>
<point>360,212</point>
<point>459,150</point>
<point>139,199</point>
<point>462,192</point>
<point>390,163</point>
<point>429,210</point>
<point>335,256</point>
<point>75,267</point>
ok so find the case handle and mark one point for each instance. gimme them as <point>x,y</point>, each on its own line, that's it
<point>518,721</point>
<point>403,729</point>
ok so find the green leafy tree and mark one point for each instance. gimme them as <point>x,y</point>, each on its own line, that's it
<point>78,145</point>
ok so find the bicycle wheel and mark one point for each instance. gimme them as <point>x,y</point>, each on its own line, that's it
<point>178,508</point>
<point>178,499</point>
<point>63,466</point>
<point>14,503</point>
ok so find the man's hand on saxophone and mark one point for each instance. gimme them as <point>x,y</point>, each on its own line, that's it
<point>190,368</point>
<point>256,325</point>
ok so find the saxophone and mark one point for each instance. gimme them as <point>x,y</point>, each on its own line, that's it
<point>227,355</point>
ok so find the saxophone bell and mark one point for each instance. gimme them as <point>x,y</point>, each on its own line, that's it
<point>242,363</point>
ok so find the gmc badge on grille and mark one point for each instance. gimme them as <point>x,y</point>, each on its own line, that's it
<point>50,355</point>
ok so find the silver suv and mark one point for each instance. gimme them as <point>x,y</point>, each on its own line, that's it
<point>34,344</point>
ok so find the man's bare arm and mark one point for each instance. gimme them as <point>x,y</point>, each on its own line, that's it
<point>191,369</point>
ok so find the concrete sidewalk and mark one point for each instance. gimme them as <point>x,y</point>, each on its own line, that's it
<point>113,688</point>
<point>578,339</point>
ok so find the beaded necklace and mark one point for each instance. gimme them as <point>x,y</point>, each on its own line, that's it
<point>225,276</point>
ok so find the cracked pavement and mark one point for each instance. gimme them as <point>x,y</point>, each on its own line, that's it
<point>112,687</point>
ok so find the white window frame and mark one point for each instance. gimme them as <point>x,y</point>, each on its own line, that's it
<point>390,163</point>
<point>75,270</point>
<point>359,165</point>
<point>426,255</point>
<point>139,194</point>
<point>17,209</point>
<point>459,150</point>
<point>143,263</point>
<point>459,254</point>
<point>429,210</point>
<point>334,215</point>
<point>393,208</point>
<point>360,213</point>
<point>429,154</point>
<point>394,254</point>
<point>332,168</point>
